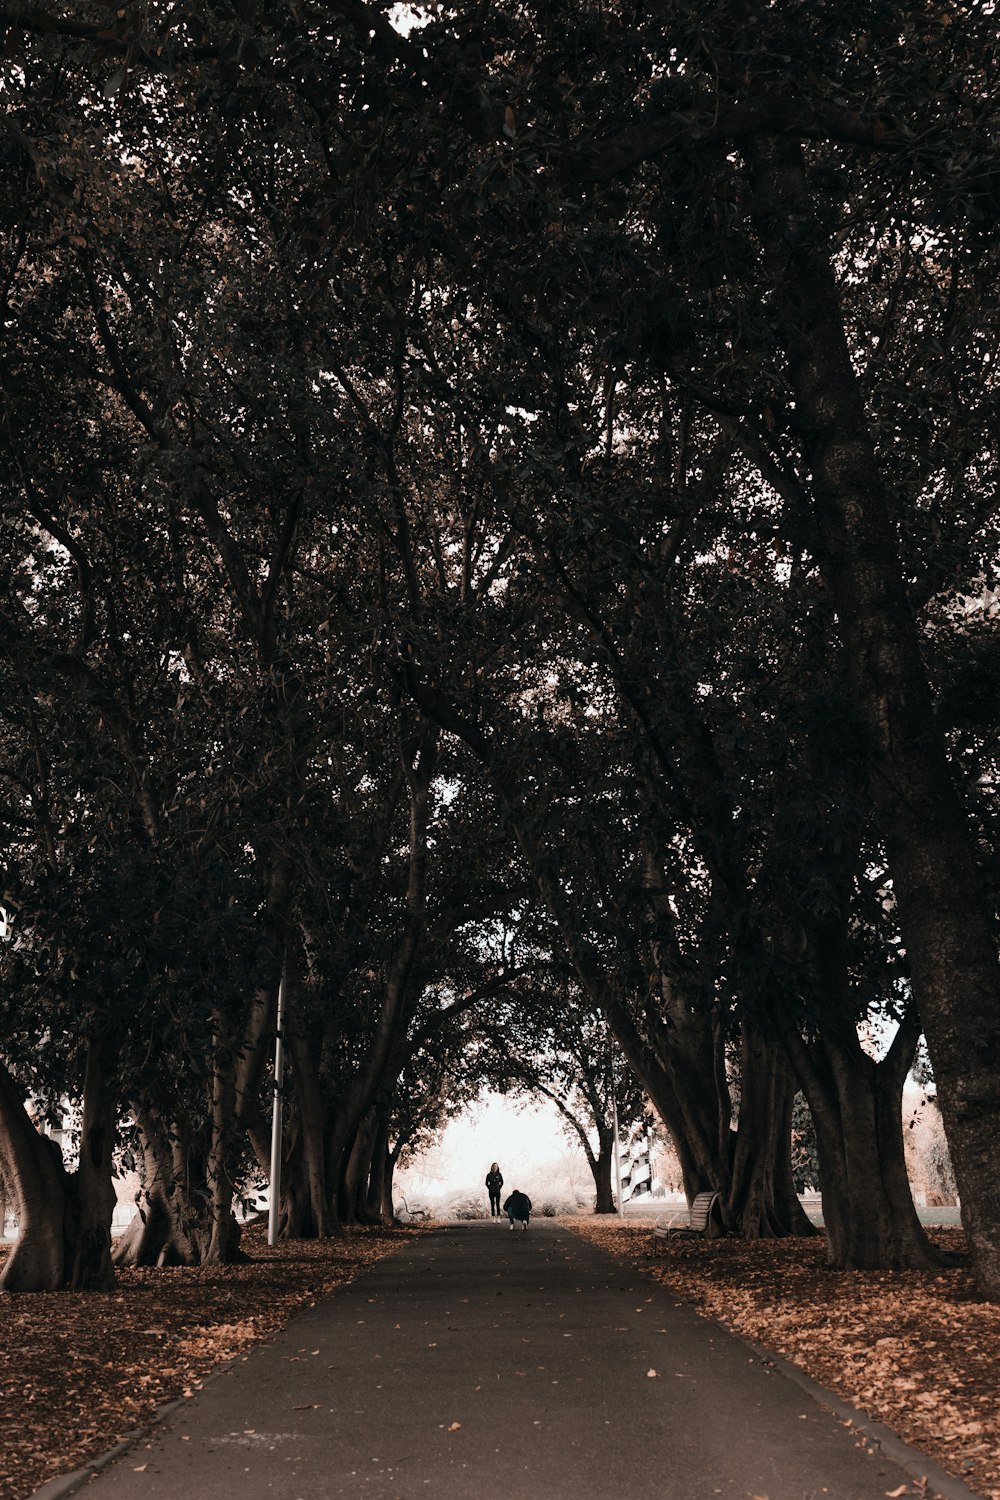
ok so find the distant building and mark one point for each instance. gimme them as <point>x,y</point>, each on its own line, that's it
<point>637,1165</point>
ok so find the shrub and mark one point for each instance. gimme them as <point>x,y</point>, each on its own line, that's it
<point>468,1208</point>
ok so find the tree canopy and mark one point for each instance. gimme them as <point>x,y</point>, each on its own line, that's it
<point>490,494</point>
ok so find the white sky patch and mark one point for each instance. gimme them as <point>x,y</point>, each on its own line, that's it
<point>407,18</point>
<point>527,1140</point>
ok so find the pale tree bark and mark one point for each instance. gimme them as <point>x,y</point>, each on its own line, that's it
<point>163,1231</point>
<point>33,1169</point>
<point>64,1217</point>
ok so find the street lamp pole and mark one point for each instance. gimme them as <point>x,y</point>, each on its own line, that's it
<point>276,1111</point>
<point>614,1121</point>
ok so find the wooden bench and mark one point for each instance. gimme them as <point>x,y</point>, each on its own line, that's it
<point>699,1218</point>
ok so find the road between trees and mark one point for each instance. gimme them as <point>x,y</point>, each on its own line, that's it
<point>479,1360</point>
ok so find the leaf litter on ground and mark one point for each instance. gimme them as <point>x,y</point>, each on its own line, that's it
<point>80,1370</point>
<point>916,1350</point>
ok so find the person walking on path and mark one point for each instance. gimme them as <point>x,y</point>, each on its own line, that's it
<point>494,1182</point>
<point>518,1206</point>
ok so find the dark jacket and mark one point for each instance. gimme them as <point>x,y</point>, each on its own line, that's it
<point>518,1205</point>
<point>494,1182</point>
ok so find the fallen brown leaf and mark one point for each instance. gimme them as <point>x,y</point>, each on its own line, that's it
<point>79,1370</point>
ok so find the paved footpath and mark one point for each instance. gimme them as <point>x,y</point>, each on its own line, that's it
<point>477,1362</point>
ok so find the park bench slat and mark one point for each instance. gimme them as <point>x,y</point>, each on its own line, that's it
<point>699,1218</point>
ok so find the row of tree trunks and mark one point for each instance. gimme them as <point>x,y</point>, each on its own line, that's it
<point>749,1163</point>
<point>947,926</point>
<point>373,1071</point>
<point>856,1105</point>
<point>869,1214</point>
<point>683,1071</point>
<point>679,1057</point>
<point>688,1087</point>
<point>189,1170</point>
<point>760,1189</point>
<point>332,1167</point>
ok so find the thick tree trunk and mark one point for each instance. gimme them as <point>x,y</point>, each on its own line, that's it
<point>316,1189</point>
<point>224,1140</point>
<point>789,1213</point>
<point>378,1203</point>
<point>92,1200</point>
<point>871,1223</point>
<point>359,1165</point>
<point>600,1166</point>
<point>856,1105</point>
<point>64,1219</point>
<point>946,922</point>
<point>388,1180</point>
<point>34,1171</point>
<point>748,1204</point>
<point>169,1227</point>
<point>296,1217</point>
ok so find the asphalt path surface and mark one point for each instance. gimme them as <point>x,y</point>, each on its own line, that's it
<point>477,1361</point>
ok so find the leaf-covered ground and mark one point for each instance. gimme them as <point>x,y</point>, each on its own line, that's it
<point>79,1370</point>
<point>914,1349</point>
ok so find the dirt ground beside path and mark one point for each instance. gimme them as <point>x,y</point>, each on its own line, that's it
<point>916,1350</point>
<point>79,1370</point>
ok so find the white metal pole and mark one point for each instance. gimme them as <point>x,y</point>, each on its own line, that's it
<point>276,1113</point>
<point>618,1148</point>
